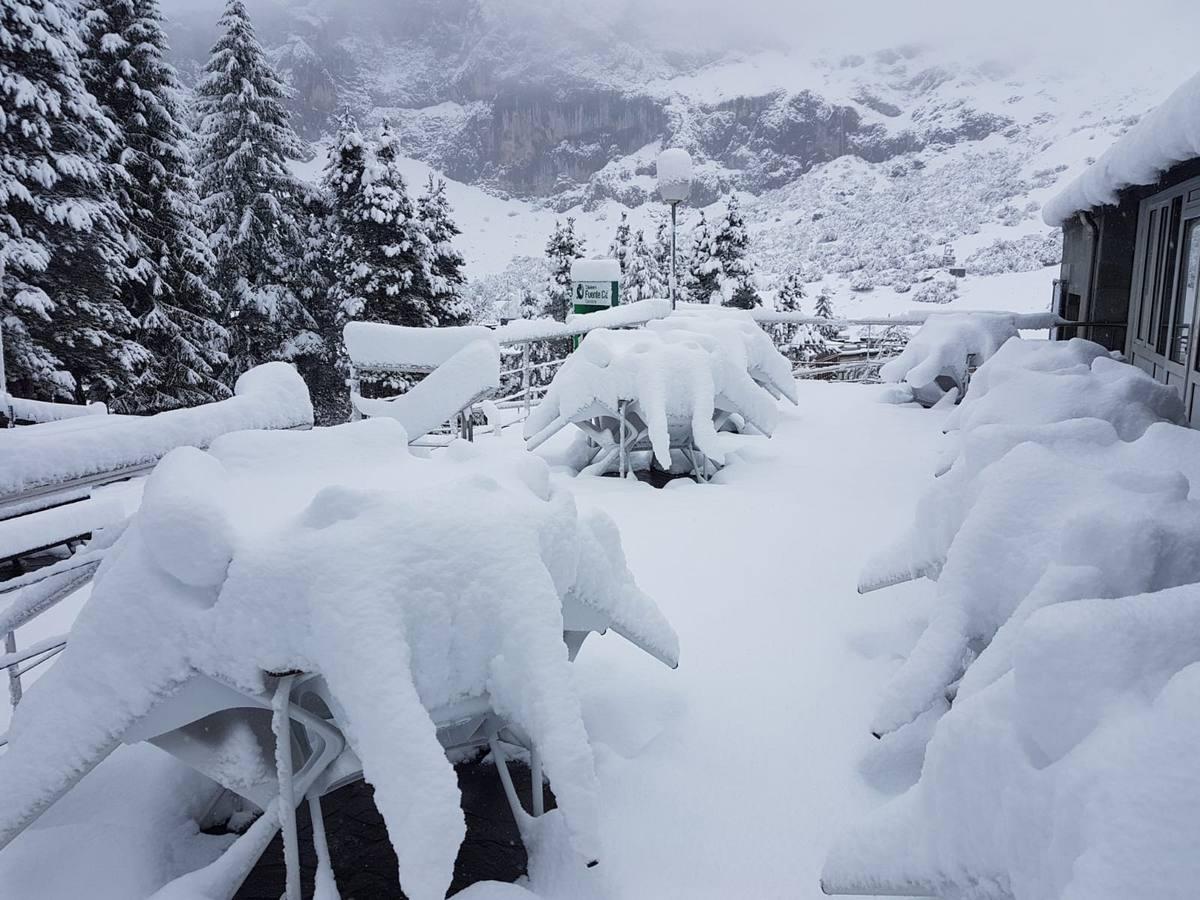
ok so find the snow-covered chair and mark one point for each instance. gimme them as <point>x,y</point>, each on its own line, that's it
<point>460,368</point>
<point>669,395</point>
<point>294,584</point>
<point>941,357</point>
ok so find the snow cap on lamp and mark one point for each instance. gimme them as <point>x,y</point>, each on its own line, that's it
<point>674,175</point>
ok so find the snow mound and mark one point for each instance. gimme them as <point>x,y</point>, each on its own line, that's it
<point>1046,441</point>
<point>676,379</point>
<point>272,396</point>
<point>1072,777</point>
<point>1060,654</point>
<point>336,551</point>
<point>1167,135</point>
<point>942,347</point>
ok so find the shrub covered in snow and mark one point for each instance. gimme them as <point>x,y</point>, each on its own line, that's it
<point>1052,707</point>
<point>337,552</point>
<point>1025,254</point>
<point>939,290</point>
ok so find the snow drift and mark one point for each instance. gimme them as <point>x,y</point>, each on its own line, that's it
<point>1066,545</point>
<point>336,551</point>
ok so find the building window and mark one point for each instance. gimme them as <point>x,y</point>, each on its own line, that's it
<point>1165,279</point>
<point>1185,300</point>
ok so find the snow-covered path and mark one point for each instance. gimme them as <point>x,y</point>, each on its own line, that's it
<point>727,777</point>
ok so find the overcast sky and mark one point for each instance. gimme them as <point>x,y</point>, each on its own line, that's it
<point>1087,30</point>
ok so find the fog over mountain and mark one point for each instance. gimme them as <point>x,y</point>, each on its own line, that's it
<point>870,140</point>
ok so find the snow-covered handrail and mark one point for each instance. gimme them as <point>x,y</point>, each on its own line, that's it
<point>630,315</point>
<point>272,396</point>
<point>39,411</point>
<point>1023,321</point>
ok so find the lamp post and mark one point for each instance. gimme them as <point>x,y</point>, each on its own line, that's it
<point>5,404</point>
<point>674,186</point>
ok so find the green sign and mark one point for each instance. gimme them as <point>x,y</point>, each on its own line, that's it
<point>593,295</point>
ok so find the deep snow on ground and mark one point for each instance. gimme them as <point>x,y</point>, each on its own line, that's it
<point>725,778</point>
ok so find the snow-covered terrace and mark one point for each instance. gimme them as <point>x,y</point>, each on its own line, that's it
<point>725,778</point>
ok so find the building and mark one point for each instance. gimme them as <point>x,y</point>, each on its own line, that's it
<point>1131,245</point>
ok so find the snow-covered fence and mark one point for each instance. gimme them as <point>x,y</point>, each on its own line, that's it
<point>675,395</point>
<point>287,583</point>
<point>870,344</point>
<point>518,379</point>
<point>1060,652</point>
<point>40,461</point>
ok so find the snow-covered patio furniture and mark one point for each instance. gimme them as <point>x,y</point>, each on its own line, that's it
<point>381,609</point>
<point>941,357</point>
<point>670,395</point>
<point>460,368</point>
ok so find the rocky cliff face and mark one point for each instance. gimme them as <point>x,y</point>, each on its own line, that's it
<point>561,116</point>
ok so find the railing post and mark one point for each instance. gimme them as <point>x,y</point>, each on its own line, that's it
<point>14,672</point>
<point>525,376</point>
<point>353,384</point>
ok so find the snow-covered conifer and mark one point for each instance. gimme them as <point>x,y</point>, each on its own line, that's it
<point>171,295</point>
<point>442,263</point>
<point>563,248</point>
<point>731,244</point>
<point>62,234</point>
<point>702,282</point>
<point>641,279</point>
<point>252,203</point>
<point>824,310</point>
<point>382,254</point>
<point>622,243</point>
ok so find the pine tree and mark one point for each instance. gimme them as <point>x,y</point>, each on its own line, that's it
<point>662,257</point>
<point>641,280</point>
<point>442,268</point>
<point>563,248</point>
<point>787,299</point>
<point>732,243</point>
<point>622,244</point>
<point>824,310</point>
<point>62,236</point>
<point>382,255</point>
<point>704,270</point>
<point>172,298</point>
<point>323,364</point>
<point>251,201</point>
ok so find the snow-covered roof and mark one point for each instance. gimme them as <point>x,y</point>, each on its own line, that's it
<point>1168,135</point>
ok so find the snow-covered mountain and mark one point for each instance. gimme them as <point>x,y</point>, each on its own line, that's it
<point>869,171</point>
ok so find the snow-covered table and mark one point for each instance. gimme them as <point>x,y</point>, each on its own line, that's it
<point>677,394</point>
<point>330,585</point>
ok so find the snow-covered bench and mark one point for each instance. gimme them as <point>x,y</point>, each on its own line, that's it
<point>300,583</point>
<point>460,368</point>
<point>676,394</point>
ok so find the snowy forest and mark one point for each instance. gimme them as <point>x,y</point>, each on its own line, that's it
<point>158,245</point>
